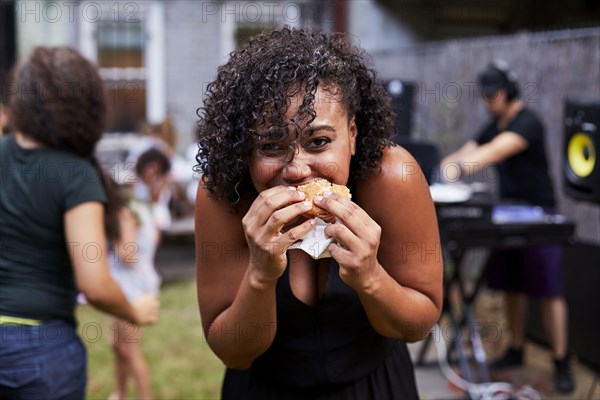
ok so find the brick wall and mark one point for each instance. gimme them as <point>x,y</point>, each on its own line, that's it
<point>550,66</point>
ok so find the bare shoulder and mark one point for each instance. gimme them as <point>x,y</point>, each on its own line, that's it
<point>397,165</point>
<point>399,181</point>
<point>216,220</point>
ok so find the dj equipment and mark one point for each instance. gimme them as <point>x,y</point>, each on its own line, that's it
<point>581,150</point>
<point>477,223</point>
<point>402,94</point>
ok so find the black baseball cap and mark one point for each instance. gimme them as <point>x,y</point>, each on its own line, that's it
<point>492,80</point>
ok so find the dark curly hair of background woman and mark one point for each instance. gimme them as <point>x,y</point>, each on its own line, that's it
<point>256,86</point>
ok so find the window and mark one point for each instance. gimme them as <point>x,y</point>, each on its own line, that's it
<point>241,20</point>
<point>120,55</point>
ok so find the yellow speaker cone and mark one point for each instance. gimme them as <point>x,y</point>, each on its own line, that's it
<point>581,154</point>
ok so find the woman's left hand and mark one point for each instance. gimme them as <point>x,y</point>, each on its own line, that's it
<point>356,241</point>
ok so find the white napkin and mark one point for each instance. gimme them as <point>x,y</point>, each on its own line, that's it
<point>315,242</point>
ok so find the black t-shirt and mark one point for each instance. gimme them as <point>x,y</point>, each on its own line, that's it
<point>523,177</point>
<point>38,186</point>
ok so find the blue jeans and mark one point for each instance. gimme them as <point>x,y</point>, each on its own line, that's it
<point>46,361</point>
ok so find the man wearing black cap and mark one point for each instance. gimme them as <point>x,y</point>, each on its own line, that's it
<point>513,140</point>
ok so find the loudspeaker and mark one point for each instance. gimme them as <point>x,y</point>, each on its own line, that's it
<point>581,150</point>
<point>7,42</point>
<point>402,94</point>
<point>425,153</point>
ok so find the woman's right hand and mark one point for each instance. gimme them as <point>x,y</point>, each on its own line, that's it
<point>146,310</point>
<point>264,226</point>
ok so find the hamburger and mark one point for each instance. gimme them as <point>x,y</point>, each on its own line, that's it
<point>319,187</point>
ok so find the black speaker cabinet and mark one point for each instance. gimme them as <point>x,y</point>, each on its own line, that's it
<point>7,42</point>
<point>581,150</point>
<point>402,94</point>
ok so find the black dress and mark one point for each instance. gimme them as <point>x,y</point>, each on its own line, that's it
<point>329,351</point>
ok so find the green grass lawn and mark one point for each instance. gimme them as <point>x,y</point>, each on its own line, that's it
<point>182,364</point>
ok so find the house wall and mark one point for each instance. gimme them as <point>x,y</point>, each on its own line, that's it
<point>43,23</point>
<point>375,29</point>
<point>192,51</point>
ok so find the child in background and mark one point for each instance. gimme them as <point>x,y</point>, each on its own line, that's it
<point>163,137</point>
<point>131,263</point>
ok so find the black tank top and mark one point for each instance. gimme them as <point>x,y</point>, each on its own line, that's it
<point>320,349</point>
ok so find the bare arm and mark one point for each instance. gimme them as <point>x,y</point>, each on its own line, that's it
<point>91,273</point>
<point>236,284</point>
<point>126,247</point>
<point>503,146</point>
<point>474,157</point>
<point>391,253</point>
<point>462,152</point>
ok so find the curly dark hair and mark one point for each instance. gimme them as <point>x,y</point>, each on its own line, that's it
<point>60,102</point>
<point>256,87</point>
<point>153,156</point>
